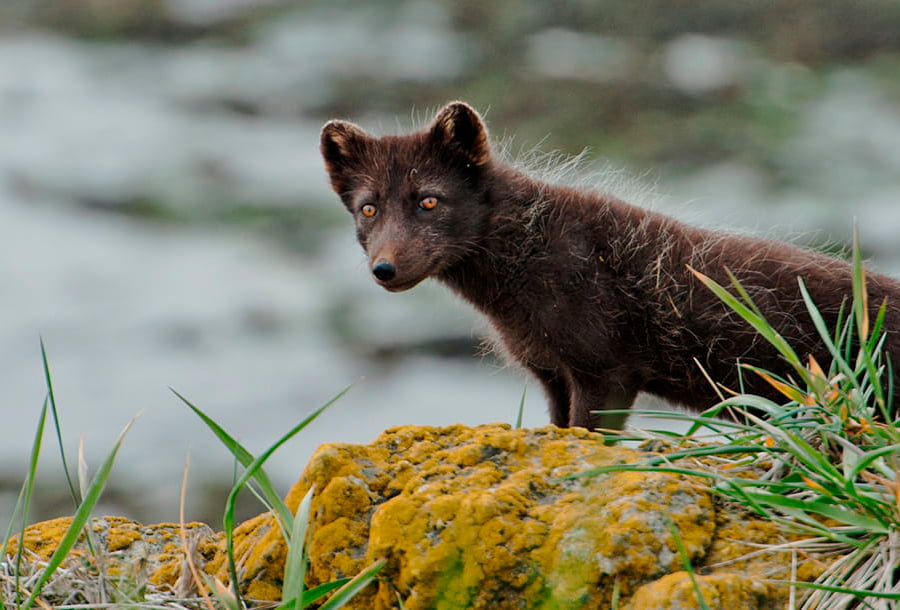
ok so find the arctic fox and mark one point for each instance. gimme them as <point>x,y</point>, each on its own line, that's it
<point>594,296</point>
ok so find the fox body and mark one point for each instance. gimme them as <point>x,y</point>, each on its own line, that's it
<point>594,296</point>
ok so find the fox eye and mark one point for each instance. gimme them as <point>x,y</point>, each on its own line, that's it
<point>368,210</point>
<point>428,203</point>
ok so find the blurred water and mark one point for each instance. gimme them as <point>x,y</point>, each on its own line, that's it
<point>239,327</point>
<point>258,334</point>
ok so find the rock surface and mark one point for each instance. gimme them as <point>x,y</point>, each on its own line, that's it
<point>485,518</point>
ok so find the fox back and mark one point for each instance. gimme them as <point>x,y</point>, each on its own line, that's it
<point>594,296</point>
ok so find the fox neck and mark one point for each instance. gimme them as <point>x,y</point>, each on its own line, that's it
<point>505,259</point>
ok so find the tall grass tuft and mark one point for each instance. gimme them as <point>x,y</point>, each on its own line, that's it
<point>824,462</point>
<point>23,578</point>
<point>25,595</point>
<point>293,528</point>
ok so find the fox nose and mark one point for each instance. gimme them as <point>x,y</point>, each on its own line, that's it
<point>384,271</point>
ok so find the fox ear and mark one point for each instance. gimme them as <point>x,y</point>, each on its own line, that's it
<point>459,128</point>
<point>341,144</point>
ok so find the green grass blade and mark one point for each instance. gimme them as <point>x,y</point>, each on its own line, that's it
<point>703,451</point>
<point>821,507</point>
<point>79,519</point>
<point>83,484</point>
<point>296,562</point>
<point>20,551</point>
<point>62,451</point>
<point>861,313</point>
<point>703,421</point>
<point>356,584</point>
<point>735,490</point>
<point>521,408</point>
<point>686,563</point>
<point>313,595</point>
<point>877,327</point>
<point>860,297</point>
<point>245,458</point>
<point>742,292</point>
<point>750,313</point>
<point>317,593</point>
<point>253,471</point>
<point>795,511</point>
<point>17,513</point>
<point>222,595</point>
<point>822,328</point>
<point>872,456</point>
<point>871,525</point>
<point>613,468</point>
<point>24,500</point>
<point>801,450</point>
<point>858,593</point>
<point>754,402</point>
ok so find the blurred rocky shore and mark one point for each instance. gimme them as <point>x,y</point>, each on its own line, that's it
<point>165,220</point>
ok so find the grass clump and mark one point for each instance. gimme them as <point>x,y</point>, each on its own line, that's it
<point>63,581</point>
<point>823,463</point>
<point>293,528</point>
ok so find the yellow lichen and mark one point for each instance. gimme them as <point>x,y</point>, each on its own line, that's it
<point>122,547</point>
<point>259,548</point>
<point>120,533</point>
<point>727,590</point>
<point>42,538</point>
<point>478,517</point>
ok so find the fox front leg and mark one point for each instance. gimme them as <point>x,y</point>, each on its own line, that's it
<point>557,389</point>
<point>594,400</point>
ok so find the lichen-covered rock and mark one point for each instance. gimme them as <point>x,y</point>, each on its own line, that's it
<point>486,517</point>
<point>124,546</point>
<point>728,590</point>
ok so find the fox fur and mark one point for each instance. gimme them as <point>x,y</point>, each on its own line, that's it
<point>594,296</point>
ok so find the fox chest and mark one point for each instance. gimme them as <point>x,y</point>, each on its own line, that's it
<point>550,312</point>
<point>550,335</point>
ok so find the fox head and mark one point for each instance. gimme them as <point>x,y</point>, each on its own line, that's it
<point>418,200</point>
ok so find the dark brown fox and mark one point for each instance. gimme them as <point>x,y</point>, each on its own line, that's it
<point>594,296</point>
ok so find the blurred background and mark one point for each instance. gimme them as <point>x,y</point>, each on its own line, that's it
<point>165,220</point>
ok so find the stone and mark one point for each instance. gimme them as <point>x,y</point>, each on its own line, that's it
<point>486,517</point>
<point>128,552</point>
